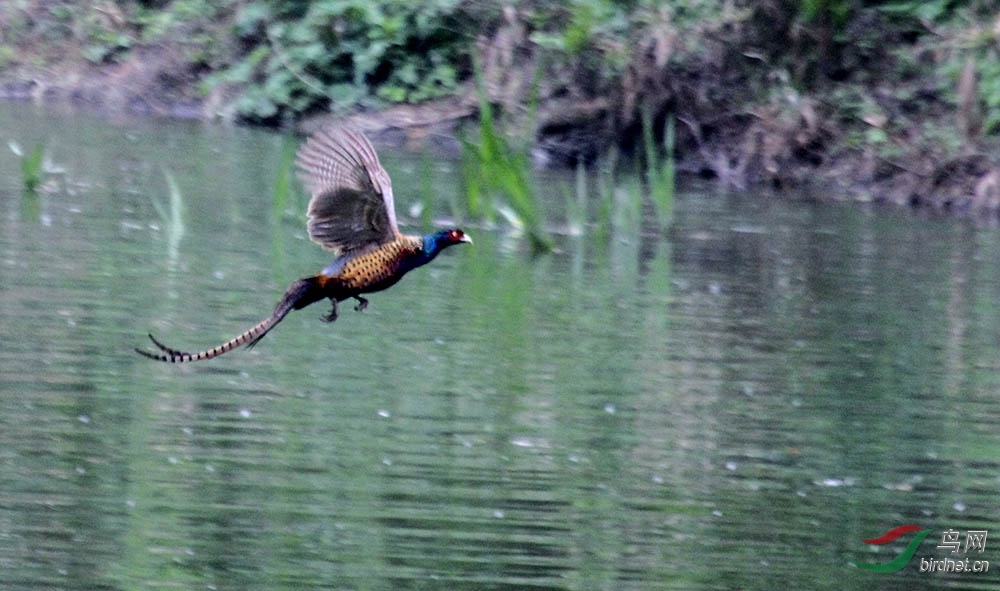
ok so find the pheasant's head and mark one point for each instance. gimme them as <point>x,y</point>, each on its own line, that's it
<point>438,241</point>
<point>454,236</point>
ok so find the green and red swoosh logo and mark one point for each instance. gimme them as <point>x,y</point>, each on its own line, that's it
<point>903,559</point>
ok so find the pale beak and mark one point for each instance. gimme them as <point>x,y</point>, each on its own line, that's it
<point>465,238</point>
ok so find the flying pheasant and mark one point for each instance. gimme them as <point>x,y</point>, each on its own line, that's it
<point>351,213</point>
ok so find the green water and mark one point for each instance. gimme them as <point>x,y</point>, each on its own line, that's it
<point>733,404</point>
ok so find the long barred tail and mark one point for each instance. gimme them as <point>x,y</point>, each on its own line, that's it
<point>299,295</point>
<point>174,356</point>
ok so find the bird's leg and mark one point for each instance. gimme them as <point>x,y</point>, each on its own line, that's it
<point>362,303</point>
<point>333,312</point>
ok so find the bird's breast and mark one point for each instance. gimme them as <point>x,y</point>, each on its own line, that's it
<point>377,269</point>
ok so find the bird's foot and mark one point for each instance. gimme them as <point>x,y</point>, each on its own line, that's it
<point>333,313</point>
<point>362,303</point>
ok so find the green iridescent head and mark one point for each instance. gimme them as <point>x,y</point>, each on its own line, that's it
<point>438,241</point>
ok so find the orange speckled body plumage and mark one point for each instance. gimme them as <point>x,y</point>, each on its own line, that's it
<point>351,213</point>
<point>371,271</point>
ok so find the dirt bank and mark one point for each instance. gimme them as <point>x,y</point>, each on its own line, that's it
<point>870,119</point>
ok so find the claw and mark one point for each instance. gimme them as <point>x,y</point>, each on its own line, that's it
<point>333,313</point>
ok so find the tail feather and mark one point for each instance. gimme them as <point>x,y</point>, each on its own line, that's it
<point>299,295</point>
<point>170,355</point>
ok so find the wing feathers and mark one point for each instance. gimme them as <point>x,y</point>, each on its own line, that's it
<point>352,203</point>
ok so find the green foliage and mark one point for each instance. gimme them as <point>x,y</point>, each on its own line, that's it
<point>427,190</point>
<point>336,54</point>
<point>492,166</point>
<point>576,201</point>
<point>989,90</point>
<point>273,60</point>
<point>577,25</point>
<point>106,32</point>
<point>8,56</point>
<point>659,166</point>
<point>928,11</point>
<point>32,174</point>
<point>172,219</point>
<point>32,168</point>
<point>836,12</point>
<point>594,40</point>
<point>283,188</point>
<point>962,30</point>
<point>606,184</point>
<point>106,46</point>
<point>187,16</point>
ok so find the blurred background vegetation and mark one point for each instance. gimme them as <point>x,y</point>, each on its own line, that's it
<point>901,95</point>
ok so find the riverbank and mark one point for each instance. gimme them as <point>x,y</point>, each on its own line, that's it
<point>898,104</point>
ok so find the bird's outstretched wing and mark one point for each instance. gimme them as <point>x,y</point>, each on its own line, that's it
<point>351,206</point>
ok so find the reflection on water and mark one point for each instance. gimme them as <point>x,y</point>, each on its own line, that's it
<point>734,404</point>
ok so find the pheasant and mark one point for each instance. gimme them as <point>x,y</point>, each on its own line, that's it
<point>351,213</point>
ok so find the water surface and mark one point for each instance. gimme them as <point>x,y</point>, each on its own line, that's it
<point>734,402</point>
